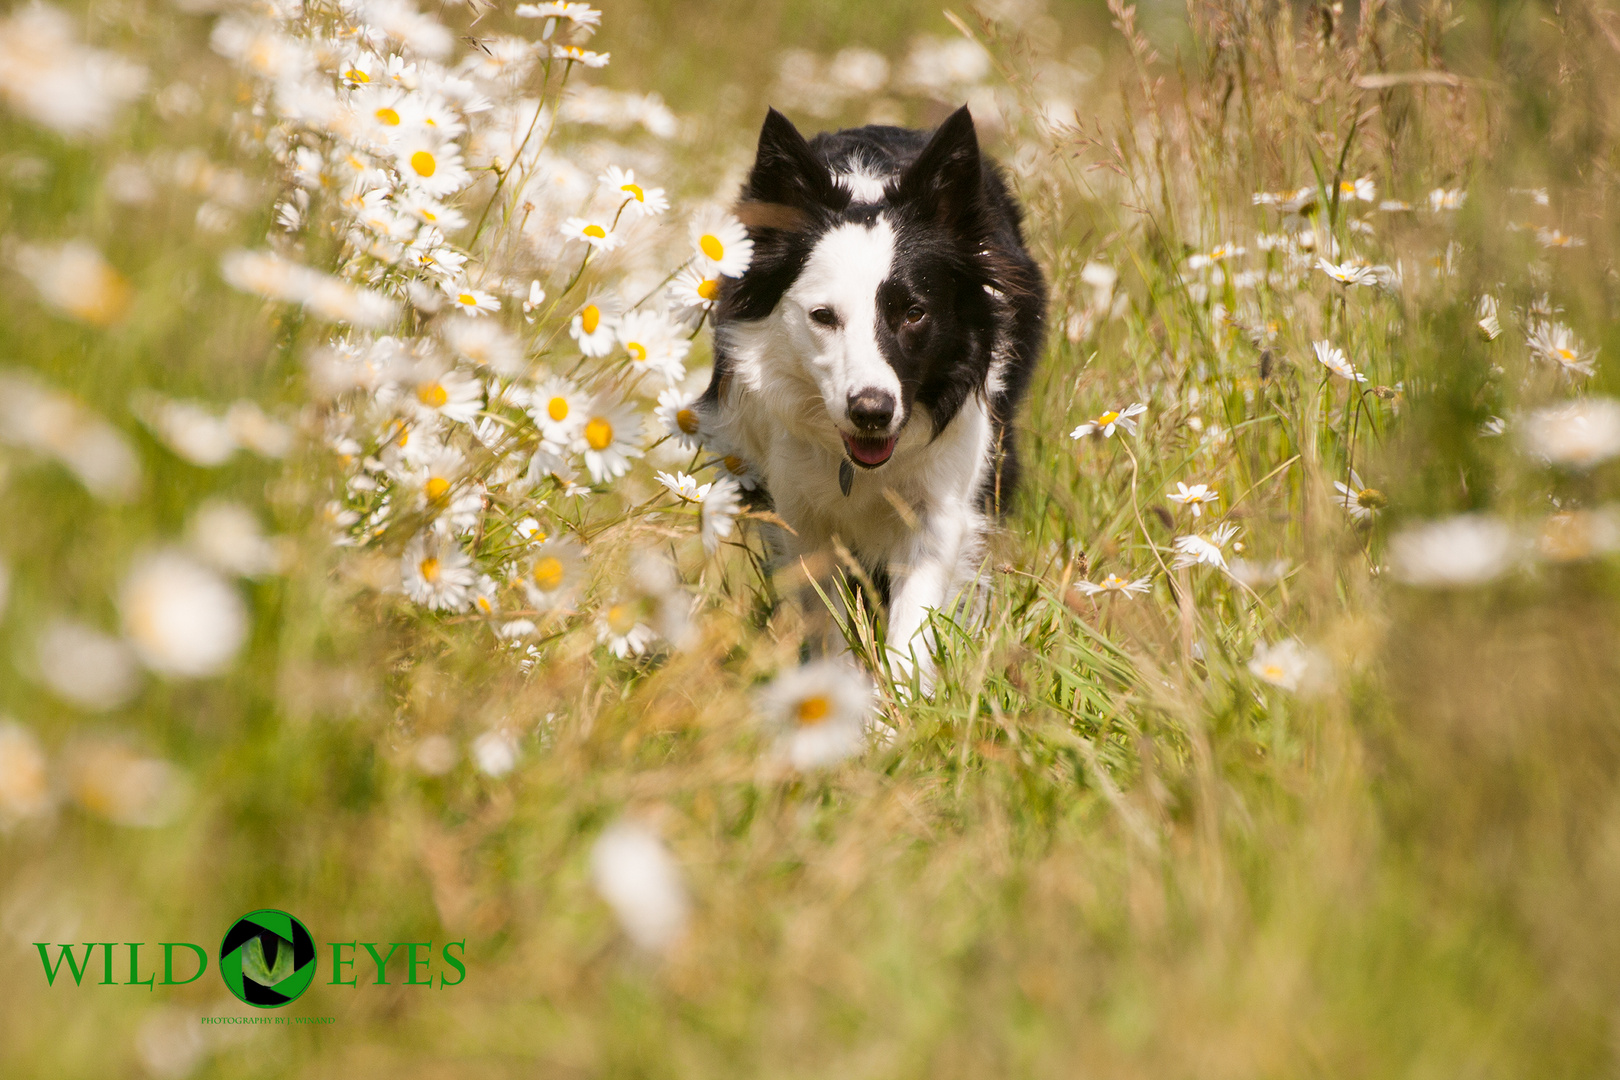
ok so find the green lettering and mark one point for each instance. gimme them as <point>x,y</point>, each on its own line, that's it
<point>106,962</point>
<point>381,961</point>
<point>454,962</point>
<point>134,966</point>
<point>412,963</point>
<point>338,964</point>
<point>168,962</point>
<point>78,969</point>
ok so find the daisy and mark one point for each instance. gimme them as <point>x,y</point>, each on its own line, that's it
<point>738,468</point>
<point>25,787</point>
<point>644,202</point>
<point>441,490</point>
<point>1204,551</point>
<point>722,501</point>
<point>1557,238</point>
<point>817,713</point>
<point>1193,498</point>
<point>1256,574</point>
<point>554,575</point>
<point>1114,585</point>
<point>1557,344</point>
<point>429,253</point>
<point>537,296</point>
<point>579,14</point>
<point>436,573</point>
<point>684,487</point>
<point>1288,664</point>
<point>1347,273</point>
<point>580,56</point>
<point>1125,418</point>
<point>558,410</point>
<point>635,873</point>
<point>1363,189</point>
<point>723,243</point>
<point>620,628</point>
<point>608,438</point>
<point>1468,549</point>
<point>1359,501</point>
<point>470,300</point>
<point>1490,327</point>
<point>1333,358</point>
<point>484,342</point>
<point>597,236</point>
<point>1579,434</point>
<point>1579,534</point>
<point>430,166</point>
<point>1444,199</point>
<point>594,325</point>
<point>452,394</point>
<point>77,280</point>
<point>182,618</point>
<point>653,345</point>
<point>483,595</point>
<point>677,412</point>
<point>430,211</point>
<point>694,290</point>
<point>1213,256</point>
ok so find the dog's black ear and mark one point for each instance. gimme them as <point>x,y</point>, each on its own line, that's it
<point>947,179</point>
<point>787,174</point>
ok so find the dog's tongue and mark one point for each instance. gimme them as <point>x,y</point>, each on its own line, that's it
<point>870,451</point>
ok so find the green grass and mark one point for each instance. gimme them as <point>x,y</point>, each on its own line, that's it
<point>1102,847</point>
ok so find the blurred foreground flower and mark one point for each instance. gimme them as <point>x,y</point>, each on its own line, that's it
<point>116,782</point>
<point>75,278</point>
<point>817,712</point>
<point>25,789</point>
<point>226,535</point>
<point>1578,434</point>
<point>46,75</point>
<point>182,618</point>
<point>80,664</point>
<point>638,877</point>
<point>1579,534</point>
<point>1289,664</point>
<point>275,278</point>
<point>53,424</point>
<point>1469,549</point>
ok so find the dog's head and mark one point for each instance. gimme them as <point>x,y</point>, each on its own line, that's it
<point>870,275</point>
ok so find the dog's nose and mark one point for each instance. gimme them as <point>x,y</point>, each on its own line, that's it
<point>871,410</point>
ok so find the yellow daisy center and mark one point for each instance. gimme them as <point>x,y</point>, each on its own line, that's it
<point>590,318</point>
<point>711,246</point>
<point>484,604</point>
<point>812,710</point>
<point>598,433</point>
<point>356,75</point>
<point>621,619</point>
<point>388,117</point>
<point>708,288</point>
<point>432,394</point>
<point>637,351</point>
<point>548,573</point>
<point>424,163</point>
<point>687,421</point>
<point>634,191</point>
<point>595,231</point>
<point>469,299</point>
<point>1371,499</point>
<point>429,568</point>
<point>1108,418</point>
<point>1566,354</point>
<point>1272,672</point>
<point>557,408</point>
<point>436,488</point>
<point>428,215</point>
<point>735,464</point>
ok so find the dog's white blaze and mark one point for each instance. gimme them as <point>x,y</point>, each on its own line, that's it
<point>843,273</point>
<point>863,186</point>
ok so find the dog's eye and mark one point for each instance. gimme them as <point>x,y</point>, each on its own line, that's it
<point>824,316</point>
<point>914,315</point>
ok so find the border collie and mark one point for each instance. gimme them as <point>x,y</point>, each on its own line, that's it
<point>869,362</point>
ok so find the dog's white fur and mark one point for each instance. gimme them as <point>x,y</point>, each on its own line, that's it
<point>785,405</point>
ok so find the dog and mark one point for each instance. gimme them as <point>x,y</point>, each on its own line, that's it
<point>870,360</point>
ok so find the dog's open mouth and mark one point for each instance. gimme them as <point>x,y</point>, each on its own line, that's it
<point>870,452</point>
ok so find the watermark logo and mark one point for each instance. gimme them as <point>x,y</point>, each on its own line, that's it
<point>267,958</point>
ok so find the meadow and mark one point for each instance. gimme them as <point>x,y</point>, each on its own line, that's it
<point>363,558</point>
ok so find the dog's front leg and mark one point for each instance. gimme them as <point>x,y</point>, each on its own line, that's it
<point>920,583</point>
